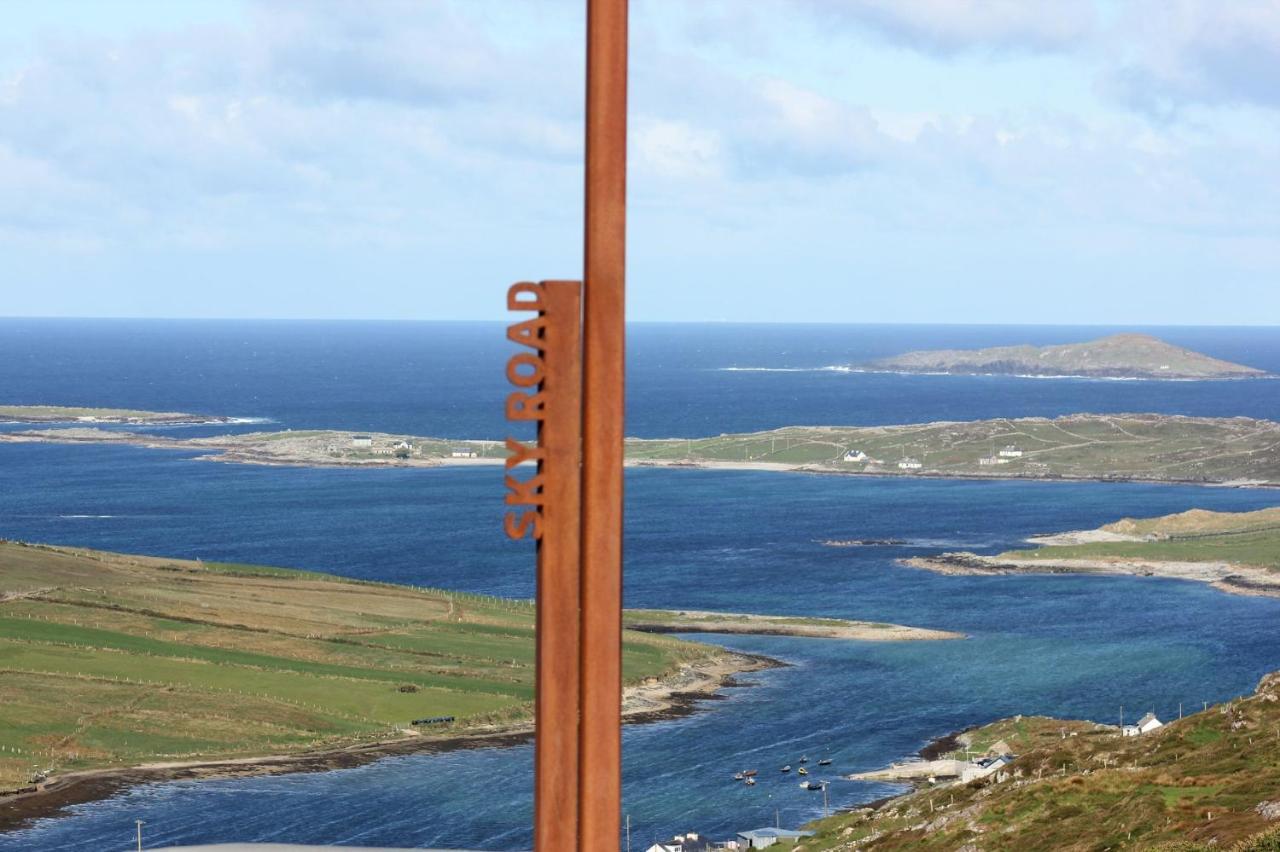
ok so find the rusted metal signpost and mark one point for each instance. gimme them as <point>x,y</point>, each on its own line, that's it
<point>569,380</point>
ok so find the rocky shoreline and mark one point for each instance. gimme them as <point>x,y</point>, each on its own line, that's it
<point>1225,576</point>
<point>673,697</point>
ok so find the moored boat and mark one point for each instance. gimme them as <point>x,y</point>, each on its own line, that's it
<point>826,761</point>
<point>803,771</point>
<point>750,782</point>
<point>787,768</point>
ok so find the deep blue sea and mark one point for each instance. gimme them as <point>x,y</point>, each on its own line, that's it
<point>1073,646</point>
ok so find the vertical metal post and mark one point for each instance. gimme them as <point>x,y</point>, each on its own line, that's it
<point>551,396</point>
<point>600,751</point>
<point>560,436</point>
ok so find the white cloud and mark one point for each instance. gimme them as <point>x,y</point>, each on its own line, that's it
<point>950,26</point>
<point>674,149</point>
<point>1167,53</point>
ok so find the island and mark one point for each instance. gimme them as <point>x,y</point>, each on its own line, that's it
<point>122,668</point>
<point>1106,447</point>
<point>65,414</point>
<point>1120,356</point>
<point>1207,781</point>
<point>1237,552</point>
<point>1237,451</point>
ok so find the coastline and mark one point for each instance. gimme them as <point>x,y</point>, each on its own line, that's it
<point>1224,576</point>
<point>672,697</point>
<point>319,450</point>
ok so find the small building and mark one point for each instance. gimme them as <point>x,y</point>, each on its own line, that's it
<point>363,441</point>
<point>1011,452</point>
<point>910,464</point>
<point>1149,723</point>
<point>985,766</point>
<point>987,461</point>
<point>463,453</point>
<point>762,838</point>
<point>855,456</point>
<point>404,445</point>
<point>1129,731</point>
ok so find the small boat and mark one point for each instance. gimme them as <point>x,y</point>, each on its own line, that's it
<point>803,771</point>
<point>750,782</point>
<point>749,773</point>
<point>826,761</point>
<point>804,759</point>
<point>813,785</point>
<point>787,768</point>
<point>738,777</point>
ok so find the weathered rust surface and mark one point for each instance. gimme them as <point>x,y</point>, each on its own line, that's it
<point>600,752</point>
<point>548,378</point>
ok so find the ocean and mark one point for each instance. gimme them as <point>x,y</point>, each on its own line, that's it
<point>726,540</point>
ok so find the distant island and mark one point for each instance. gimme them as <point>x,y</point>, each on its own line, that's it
<point>1120,356</point>
<point>1237,451</point>
<point>67,414</point>
<point>1237,552</point>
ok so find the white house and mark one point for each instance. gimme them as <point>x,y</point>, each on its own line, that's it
<point>1011,452</point>
<point>1149,723</point>
<point>361,441</point>
<point>855,456</point>
<point>690,842</point>
<point>404,445</point>
<point>910,464</point>
<point>987,461</point>
<point>463,453</point>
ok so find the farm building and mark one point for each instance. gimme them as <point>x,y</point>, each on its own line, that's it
<point>463,453</point>
<point>361,441</point>
<point>761,838</point>
<point>910,464</point>
<point>1011,452</point>
<point>985,766</point>
<point>1145,725</point>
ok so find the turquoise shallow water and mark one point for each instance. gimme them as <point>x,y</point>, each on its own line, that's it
<point>1073,646</point>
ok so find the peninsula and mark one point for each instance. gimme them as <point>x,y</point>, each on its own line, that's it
<point>1237,552</point>
<point>123,668</point>
<point>1106,447</point>
<point>64,414</point>
<point>1203,782</point>
<point>1120,356</point>
<point>1109,447</point>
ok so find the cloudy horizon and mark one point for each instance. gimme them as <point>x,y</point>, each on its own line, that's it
<point>791,160</point>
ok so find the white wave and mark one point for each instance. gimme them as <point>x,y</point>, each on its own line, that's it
<point>833,368</point>
<point>78,517</point>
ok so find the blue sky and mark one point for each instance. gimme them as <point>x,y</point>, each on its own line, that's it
<point>791,160</point>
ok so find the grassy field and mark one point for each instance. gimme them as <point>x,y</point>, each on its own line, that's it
<point>1239,538</point>
<point>1193,785</point>
<point>112,660</point>
<point>1143,446</point>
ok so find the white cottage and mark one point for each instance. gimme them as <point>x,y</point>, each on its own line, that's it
<point>1011,452</point>
<point>855,456</point>
<point>910,464</point>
